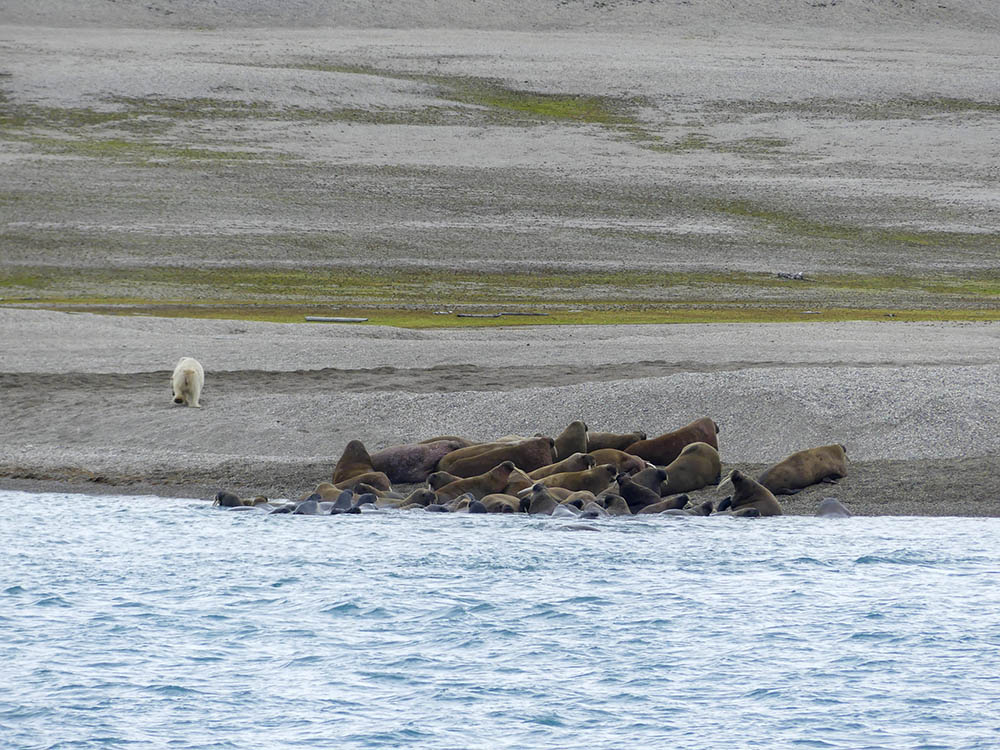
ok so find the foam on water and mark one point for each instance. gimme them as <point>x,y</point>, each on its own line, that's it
<point>144,622</point>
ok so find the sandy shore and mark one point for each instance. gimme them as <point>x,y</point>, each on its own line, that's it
<point>87,404</point>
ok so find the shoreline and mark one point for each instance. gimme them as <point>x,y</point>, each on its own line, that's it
<point>878,488</point>
<point>918,431</point>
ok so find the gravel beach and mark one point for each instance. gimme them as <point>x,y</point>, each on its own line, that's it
<point>87,404</point>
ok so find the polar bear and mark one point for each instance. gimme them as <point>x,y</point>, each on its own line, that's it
<point>187,381</point>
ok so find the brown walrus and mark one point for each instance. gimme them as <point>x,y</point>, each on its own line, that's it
<point>439,479</point>
<point>420,496</point>
<point>353,461</point>
<point>452,438</point>
<point>376,479</point>
<point>696,467</point>
<point>664,449</point>
<point>595,479</point>
<point>626,462</point>
<point>827,463</point>
<point>618,441</point>
<point>750,494</point>
<point>479,486</point>
<point>674,502</point>
<point>527,455</point>
<point>616,505</point>
<point>412,462</point>
<point>652,477</point>
<point>541,501</point>
<point>636,495</point>
<point>499,502</point>
<point>517,481</point>
<point>574,462</point>
<point>571,440</point>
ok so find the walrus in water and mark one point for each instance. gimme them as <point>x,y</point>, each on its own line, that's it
<point>225,499</point>
<point>828,463</point>
<point>420,496</point>
<point>696,467</point>
<point>674,502</point>
<point>571,440</point>
<point>541,501</point>
<point>412,462</point>
<point>574,462</point>
<point>831,507</point>
<point>615,505</point>
<point>527,455</point>
<point>479,486</point>
<point>500,502</point>
<point>664,449</point>
<point>618,441</point>
<point>637,496</point>
<point>750,494</point>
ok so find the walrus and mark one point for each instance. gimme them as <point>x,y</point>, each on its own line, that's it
<point>479,486</point>
<point>187,381</point>
<point>353,461</point>
<point>517,481</point>
<point>411,463</point>
<point>626,462</point>
<point>831,507</point>
<point>697,466</point>
<point>225,499</point>
<point>827,463</point>
<point>439,479</point>
<point>500,502</point>
<point>527,455</point>
<point>618,441</point>
<point>571,440</point>
<point>636,495</point>
<point>586,496</point>
<point>375,479</point>
<point>575,462</point>
<point>420,496</point>
<point>595,479</point>
<point>615,505</point>
<point>461,503</point>
<point>541,501</point>
<point>451,439</point>
<point>652,477</point>
<point>675,502</point>
<point>664,449</point>
<point>309,507</point>
<point>748,493</point>
<point>593,510</point>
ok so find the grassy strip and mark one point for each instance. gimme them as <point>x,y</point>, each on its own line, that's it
<point>418,319</point>
<point>443,286</point>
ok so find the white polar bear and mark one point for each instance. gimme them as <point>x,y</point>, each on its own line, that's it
<point>187,380</point>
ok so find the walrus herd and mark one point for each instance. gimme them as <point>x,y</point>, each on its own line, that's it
<point>578,474</point>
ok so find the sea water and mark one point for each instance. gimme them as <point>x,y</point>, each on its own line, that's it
<point>139,622</point>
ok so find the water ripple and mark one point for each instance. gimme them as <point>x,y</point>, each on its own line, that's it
<point>493,632</point>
